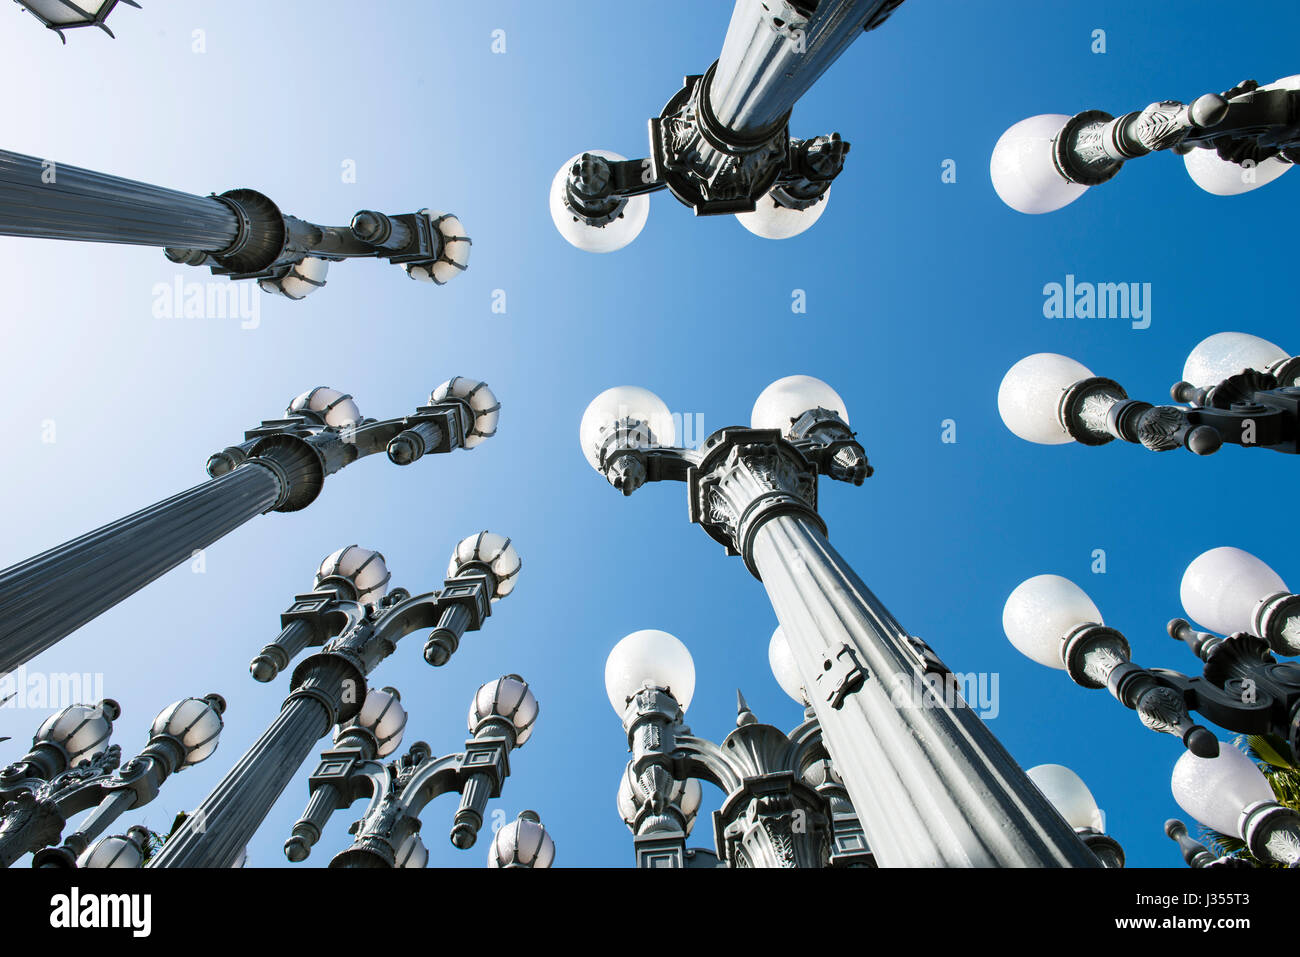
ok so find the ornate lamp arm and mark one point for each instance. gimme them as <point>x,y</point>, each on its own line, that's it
<point>1244,123</point>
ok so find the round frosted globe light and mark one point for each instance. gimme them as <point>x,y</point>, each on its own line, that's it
<point>1024,171</point>
<point>1030,396</point>
<point>509,698</point>
<point>770,220</point>
<point>596,239</point>
<point>337,410</point>
<point>619,403</point>
<point>81,730</point>
<point>1041,612</point>
<point>649,657</point>
<point>784,669</point>
<point>1222,587</point>
<point>497,552</point>
<point>302,279</point>
<point>383,716</point>
<point>1225,178</point>
<point>786,399</point>
<point>1069,795</point>
<point>1216,790</point>
<point>482,402</point>
<point>195,723</point>
<point>1225,354</point>
<point>363,568</point>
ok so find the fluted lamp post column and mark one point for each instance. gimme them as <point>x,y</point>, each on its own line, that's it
<point>60,15</point>
<point>1231,143</point>
<point>932,784</point>
<point>329,687</point>
<point>240,234</point>
<point>36,804</point>
<point>1238,389</point>
<point>501,718</point>
<point>281,466</point>
<point>722,143</point>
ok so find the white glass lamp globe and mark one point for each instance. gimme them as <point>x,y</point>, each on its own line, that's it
<point>522,843</point>
<point>383,716</point>
<point>624,402</point>
<point>649,657</point>
<point>770,220</point>
<point>302,279</point>
<point>1024,171</point>
<point>195,723</point>
<point>1216,790</point>
<point>1041,612</point>
<point>117,851</point>
<point>1222,587</point>
<point>1225,178</point>
<point>454,259</point>
<point>509,698</point>
<point>786,399</point>
<point>482,402</point>
<point>784,669</point>
<point>596,239</point>
<point>1030,396</point>
<point>496,552</point>
<point>80,730</point>
<point>1226,354</point>
<point>412,853</point>
<point>337,409</point>
<point>1069,795</point>
<point>364,569</point>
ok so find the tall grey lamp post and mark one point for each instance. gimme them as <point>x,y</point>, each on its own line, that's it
<point>363,622</point>
<point>931,783</point>
<point>784,804</point>
<point>501,718</point>
<point>1238,389</point>
<point>240,233</point>
<point>1231,143</point>
<point>281,466</point>
<point>60,15</point>
<point>722,144</point>
<point>71,768</point>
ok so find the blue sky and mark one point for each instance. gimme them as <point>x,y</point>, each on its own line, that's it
<point>921,294</point>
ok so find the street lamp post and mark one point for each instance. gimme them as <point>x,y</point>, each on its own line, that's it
<point>932,784</point>
<point>722,143</point>
<point>1242,687</point>
<point>364,622</point>
<point>60,15</point>
<point>784,805</point>
<point>502,716</point>
<point>1231,143</point>
<point>1238,388</point>
<point>240,233</point>
<point>71,768</point>
<point>281,466</point>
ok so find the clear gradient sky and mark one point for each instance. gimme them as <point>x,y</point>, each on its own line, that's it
<point>920,295</point>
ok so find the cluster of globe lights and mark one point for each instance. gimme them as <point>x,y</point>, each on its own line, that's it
<point>1029,398</point>
<point>768,220</point>
<point>339,410</point>
<point>309,274</point>
<point>777,407</point>
<point>79,732</point>
<point>1226,590</point>
<point>657,659</point>
<point>1025,175</point>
